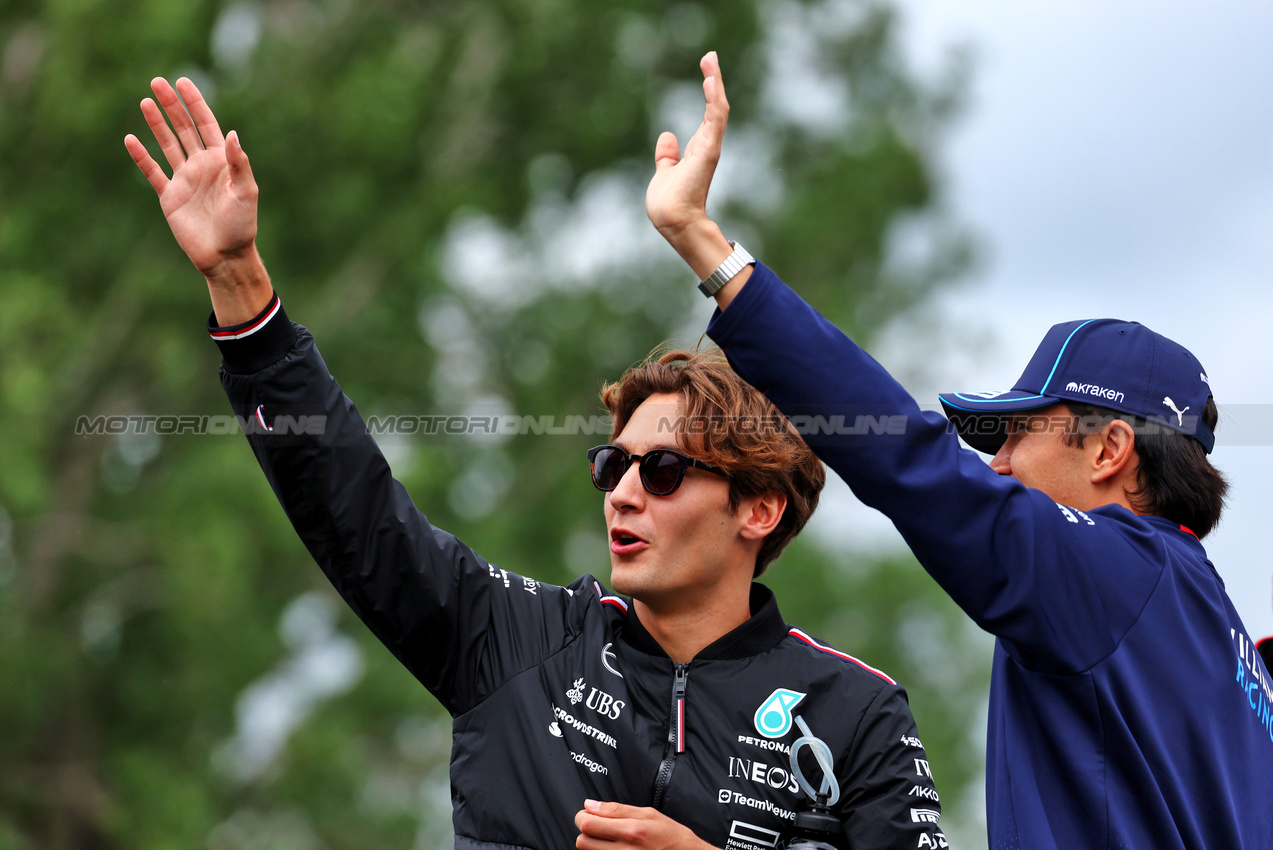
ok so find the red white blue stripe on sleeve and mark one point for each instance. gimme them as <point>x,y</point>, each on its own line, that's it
<point>245,330</point>
<point>260,417</point>
<point>611,600</point>
<point>800,635</point>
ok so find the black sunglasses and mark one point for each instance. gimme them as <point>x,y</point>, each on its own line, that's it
<point>662,470</point>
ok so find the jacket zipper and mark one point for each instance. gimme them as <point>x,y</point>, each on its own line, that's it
<point>675,736</point>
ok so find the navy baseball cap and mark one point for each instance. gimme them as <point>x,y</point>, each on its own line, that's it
<point>1120,365</point>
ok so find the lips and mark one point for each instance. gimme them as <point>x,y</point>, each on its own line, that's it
<point>624,542</point>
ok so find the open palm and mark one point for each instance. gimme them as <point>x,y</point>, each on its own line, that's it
<point>210,201</point>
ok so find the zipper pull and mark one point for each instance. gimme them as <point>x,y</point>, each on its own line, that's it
<point>678,698</point>
<point>675,736</point>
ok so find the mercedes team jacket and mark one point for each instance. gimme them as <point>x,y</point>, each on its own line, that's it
<point>557,693</point>
<point>1129,709</point>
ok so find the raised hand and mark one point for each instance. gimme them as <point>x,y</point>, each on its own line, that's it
<point>210,200</point>
<point>676,199</point>
<point>677,196</point>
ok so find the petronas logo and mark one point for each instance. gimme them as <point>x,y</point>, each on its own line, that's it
<point>773,718</point>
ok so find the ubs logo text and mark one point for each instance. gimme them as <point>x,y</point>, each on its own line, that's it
<point>604,704</point>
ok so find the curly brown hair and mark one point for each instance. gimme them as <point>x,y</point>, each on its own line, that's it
<point>729,424</point>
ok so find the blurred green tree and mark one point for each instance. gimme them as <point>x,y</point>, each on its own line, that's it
<point>452,202</point>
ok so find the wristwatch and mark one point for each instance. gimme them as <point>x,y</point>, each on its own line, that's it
<point>733,264</point>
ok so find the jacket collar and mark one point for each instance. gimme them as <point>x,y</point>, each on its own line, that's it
<point>761,633</point>
<point>1174,529</point>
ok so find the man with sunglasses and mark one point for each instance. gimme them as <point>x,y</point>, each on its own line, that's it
<point>580,717</point>
<point>1128,705</point>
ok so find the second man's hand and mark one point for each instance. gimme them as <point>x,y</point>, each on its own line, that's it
<point>676,200</point>
<point>210,200</point>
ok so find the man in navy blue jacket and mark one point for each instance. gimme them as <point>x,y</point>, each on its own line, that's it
<point>1128,706</point>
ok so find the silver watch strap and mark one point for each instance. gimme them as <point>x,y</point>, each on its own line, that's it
<point>734,263</point>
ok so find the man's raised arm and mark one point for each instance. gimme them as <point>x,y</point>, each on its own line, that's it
<point>958,517</point>
<point>445,612</point>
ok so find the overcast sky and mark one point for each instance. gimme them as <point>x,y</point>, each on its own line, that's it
<point>1116,159</point>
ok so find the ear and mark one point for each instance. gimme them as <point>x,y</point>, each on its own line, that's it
<point>761,514</point>
<point>1117,454</point>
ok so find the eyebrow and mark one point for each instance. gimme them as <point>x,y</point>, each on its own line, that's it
<point>669,446</point>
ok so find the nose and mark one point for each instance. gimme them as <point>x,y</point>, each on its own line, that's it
<point>630,494</point>
<point>1002,461</point>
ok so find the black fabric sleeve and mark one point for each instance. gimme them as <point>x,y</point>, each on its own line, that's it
<point>888,798</point>
<point>259,342</point>
<point>461,625</point>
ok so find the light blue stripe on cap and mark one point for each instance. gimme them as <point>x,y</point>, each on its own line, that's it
<point>1061,353</point>
<point>994,400</point>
